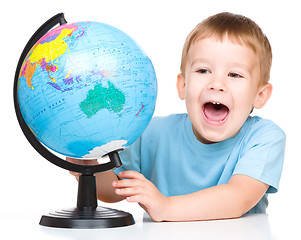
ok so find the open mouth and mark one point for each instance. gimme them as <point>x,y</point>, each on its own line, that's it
<point>216,113</point>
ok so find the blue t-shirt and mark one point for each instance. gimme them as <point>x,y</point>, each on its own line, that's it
<point>170,156</point>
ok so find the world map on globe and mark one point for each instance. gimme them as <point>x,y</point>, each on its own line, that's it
<point>86,89</point>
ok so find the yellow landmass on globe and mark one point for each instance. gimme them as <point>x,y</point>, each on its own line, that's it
<point>51,50</point>
<point>44,55</point>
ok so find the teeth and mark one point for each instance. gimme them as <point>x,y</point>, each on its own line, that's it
<point>216,103</point>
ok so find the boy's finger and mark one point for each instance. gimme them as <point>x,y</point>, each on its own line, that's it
<point>126,192</point>
<point>125,183</point>
<point>131,174</point>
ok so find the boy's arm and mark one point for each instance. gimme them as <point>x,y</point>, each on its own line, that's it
<point>229,200</point>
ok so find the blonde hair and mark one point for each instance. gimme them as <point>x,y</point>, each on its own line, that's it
<point>238,28</point>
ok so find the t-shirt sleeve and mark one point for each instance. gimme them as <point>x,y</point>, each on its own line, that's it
<point>263,157</point>
<point>130,158</point>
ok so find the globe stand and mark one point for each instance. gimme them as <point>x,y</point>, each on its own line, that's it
<point>87,214</point>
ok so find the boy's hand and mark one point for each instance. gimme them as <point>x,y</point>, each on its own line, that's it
<point>136,188</point>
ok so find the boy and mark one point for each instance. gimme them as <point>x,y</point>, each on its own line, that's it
<point>216,162</point>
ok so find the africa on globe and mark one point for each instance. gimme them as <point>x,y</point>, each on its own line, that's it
<point>86,89</point>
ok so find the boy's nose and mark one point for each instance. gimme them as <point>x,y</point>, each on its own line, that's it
<point>217,84</point>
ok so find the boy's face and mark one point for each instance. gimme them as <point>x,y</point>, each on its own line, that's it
<point>221,86</point>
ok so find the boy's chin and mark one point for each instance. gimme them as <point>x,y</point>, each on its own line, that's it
<point>215,137</point>
<point>209,138</point>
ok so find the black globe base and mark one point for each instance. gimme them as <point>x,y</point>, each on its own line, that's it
<point>87,214</point>
<point>101,217</point>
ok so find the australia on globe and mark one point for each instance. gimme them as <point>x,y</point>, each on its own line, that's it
<point>86,89</point>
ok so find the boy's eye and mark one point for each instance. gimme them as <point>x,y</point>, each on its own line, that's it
<point>234,75</point>
<point>203,71</point>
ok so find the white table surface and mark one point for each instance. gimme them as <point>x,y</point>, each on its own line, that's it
<point>25,225</point>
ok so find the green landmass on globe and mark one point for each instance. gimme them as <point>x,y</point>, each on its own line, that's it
<point>98,98</point>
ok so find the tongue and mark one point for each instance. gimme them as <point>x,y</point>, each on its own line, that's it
<point>216,112</point>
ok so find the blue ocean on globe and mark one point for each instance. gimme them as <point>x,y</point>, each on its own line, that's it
<point>86,89</point>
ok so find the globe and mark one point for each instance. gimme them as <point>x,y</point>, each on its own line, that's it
<point>86,89</point>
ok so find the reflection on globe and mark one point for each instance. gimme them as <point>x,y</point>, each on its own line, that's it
<point>86,89</point>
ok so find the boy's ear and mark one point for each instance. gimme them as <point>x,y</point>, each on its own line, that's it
<point>263,95</point>
<point>181,86</point>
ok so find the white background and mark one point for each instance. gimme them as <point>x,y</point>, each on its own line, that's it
<point>30,183</point>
